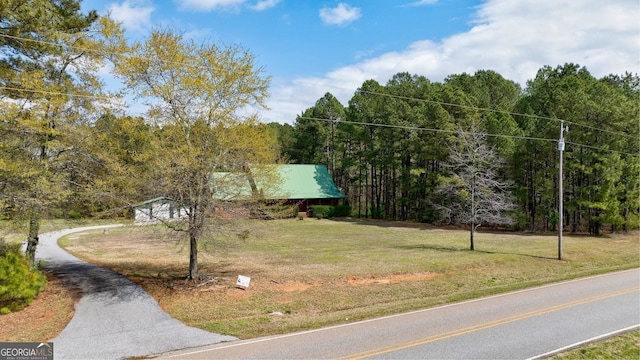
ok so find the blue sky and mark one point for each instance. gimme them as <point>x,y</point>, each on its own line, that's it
<point>313,47</point>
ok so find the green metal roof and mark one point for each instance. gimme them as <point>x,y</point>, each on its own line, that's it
<point>300,181</point>
<point>293,181</point>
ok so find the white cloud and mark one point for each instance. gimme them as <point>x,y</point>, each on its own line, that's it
<point>363,54</point>
<point>513,38</point>
<point>235,5</point>
<point>134,15</point>
<point>264,5</point>
<point>341,15</point>
<point>208,5</point>
<point>422,3</point>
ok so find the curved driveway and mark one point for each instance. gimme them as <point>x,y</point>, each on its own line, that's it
<point>114,318</point>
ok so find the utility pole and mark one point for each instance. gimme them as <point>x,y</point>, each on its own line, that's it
<point>560,190</point>
<point>333,147</point>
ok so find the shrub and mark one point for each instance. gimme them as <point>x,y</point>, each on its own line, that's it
<point>342,210</point>
<point>74,214</point>
<point>56,213</point>
<point>283,211</point>
<point>19,282</point>
<point>320,211</point>
<point>6,248</point>
<point>271,211</point>
<point>325,211</point>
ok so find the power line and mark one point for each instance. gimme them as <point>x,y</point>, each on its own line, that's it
<point>406,127</point>
<point>81,49</point>
<point>601,149</point>
<point>495,111</point>
<point>109,55</point>
<point>45,92</point>
<point>357,123</point>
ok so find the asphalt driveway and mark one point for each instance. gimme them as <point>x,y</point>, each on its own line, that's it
<point>114,318</point>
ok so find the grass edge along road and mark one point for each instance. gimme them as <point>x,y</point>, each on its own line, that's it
<point>625,345</point>
<point>313,273</point>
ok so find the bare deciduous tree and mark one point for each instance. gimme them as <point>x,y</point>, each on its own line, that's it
<point>473,194</point>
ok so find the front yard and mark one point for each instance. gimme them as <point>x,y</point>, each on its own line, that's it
<point>312,273</point>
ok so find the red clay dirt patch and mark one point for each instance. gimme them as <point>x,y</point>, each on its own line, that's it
<point>354,281</point>
<point>294,287</point>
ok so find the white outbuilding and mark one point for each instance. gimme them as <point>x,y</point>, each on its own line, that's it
<point>157,210</point>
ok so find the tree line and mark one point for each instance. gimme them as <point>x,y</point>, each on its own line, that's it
<point>388,148</point>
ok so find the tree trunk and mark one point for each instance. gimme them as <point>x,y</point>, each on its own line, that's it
<point>359,192</point>
<point>193,257</point>
<point>472,233</point>
<point>367,192</point>
<point>32,239</point>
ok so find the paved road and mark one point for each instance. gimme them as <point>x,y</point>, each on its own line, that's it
<point>114,318</point>
<point>518,325</point>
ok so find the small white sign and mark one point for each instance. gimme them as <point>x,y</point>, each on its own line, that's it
<point>243,281</point>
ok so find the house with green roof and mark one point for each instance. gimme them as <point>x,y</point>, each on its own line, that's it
<point>302,185</point>
<point>296,184</point>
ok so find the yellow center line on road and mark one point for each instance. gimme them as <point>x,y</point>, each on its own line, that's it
<point>458,332</point>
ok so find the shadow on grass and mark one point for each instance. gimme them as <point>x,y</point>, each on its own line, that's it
<point>389,224</point>
<point>517,254</point>
<point>451,249</point>
<point>448,249</point>
<point>430,247</point>
<point>427,226</point>
<point>165,275</point>
<point>150,270</point>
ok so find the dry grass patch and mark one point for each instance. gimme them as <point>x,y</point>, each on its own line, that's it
<point>322,272</point>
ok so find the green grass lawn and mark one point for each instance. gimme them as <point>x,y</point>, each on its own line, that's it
<point>324,272</point>
<point>625,346</point>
